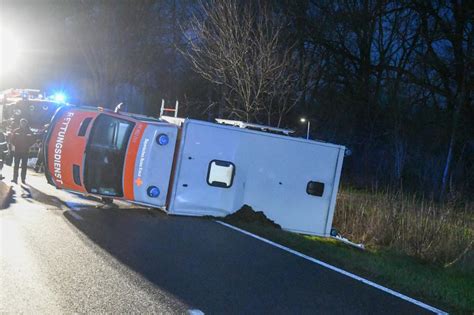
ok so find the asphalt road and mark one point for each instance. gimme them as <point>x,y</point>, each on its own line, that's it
<point>61,254</point>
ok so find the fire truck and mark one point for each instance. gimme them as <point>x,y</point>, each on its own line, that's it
<point>195,168</point>
<point>30,104</point>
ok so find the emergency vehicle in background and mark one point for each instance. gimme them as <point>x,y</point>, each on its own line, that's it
<point>195,168</point>
<point>32,105</point>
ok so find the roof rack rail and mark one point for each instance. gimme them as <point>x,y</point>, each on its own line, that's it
<point>242,124</point>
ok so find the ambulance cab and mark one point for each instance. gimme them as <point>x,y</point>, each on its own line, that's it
<point>99,152</point>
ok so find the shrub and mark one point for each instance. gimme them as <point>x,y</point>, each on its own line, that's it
<point>434,232</point>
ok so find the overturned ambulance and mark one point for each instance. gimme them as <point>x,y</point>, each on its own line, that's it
<point>195,168</point>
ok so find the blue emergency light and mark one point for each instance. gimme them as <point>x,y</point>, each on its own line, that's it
<point>59,97</point>
<point>153,191</point>
<point>162,139</point>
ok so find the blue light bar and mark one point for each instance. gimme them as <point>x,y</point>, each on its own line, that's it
<point>59,97</point>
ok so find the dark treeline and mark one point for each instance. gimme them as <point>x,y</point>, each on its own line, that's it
<point>391,80</point>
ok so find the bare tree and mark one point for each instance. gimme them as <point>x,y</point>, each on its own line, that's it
<point>238,46</point>
<point>447,32</point>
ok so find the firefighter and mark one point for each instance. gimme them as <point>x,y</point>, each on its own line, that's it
<point>22,139</point>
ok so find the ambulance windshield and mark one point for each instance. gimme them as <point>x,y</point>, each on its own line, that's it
<point>105,155</point>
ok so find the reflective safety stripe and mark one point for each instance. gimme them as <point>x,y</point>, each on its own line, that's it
<point>3,143</point>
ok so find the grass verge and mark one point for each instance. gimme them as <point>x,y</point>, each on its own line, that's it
<point>450,289</point>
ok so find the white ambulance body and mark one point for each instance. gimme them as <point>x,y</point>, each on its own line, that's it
<point>219,168</point>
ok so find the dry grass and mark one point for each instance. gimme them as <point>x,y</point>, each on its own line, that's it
<point>437,233</point>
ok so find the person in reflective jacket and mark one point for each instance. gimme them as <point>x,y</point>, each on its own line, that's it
<point>22,140</point>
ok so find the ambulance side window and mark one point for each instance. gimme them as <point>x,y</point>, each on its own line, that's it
<point>76,174</point>
<point>220,173</point>
<point>84,125</point>
<point>120,131</point>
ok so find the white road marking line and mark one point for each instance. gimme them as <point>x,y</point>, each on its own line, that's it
<point>346,273</point>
